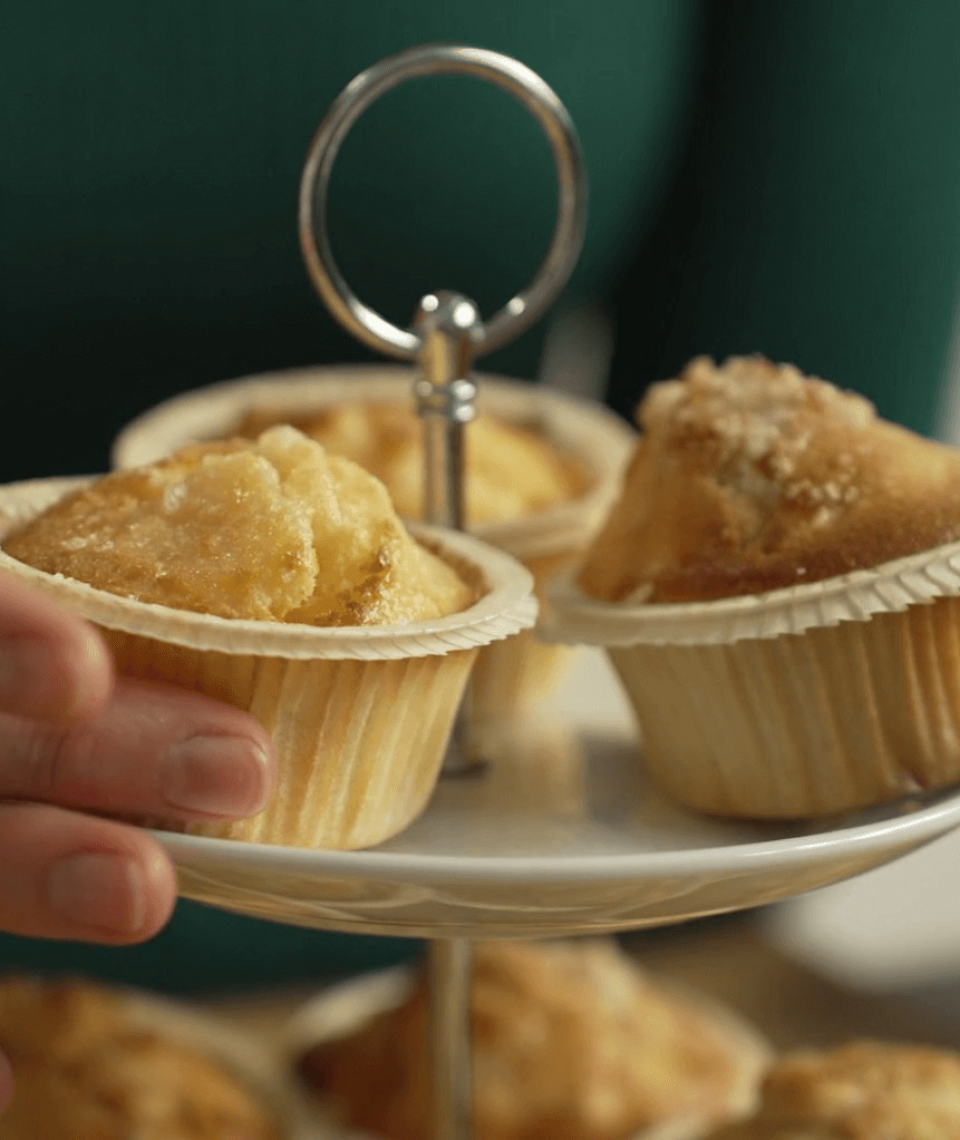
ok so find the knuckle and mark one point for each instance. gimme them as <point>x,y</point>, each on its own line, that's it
<point>54,763</point>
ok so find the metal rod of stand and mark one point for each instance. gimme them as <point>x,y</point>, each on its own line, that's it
<point>447,335</point>
<point>449,329</point>
<point>451,985</point>
<point>448,324</point>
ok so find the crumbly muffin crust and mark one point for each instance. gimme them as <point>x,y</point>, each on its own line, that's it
<point>512,470</point>
<point>85,1070</point>
<point>570,1041</point>
<point>273,529</point>
<point>750,477</point>
<point>867,1090</point>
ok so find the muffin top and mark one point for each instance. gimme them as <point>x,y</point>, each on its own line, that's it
<point>750,477</point>
<point>570,1041</point>
<point>84,1069</point>
<point>511,470</point>
<point>867,1090</point>
<point>273,529</point>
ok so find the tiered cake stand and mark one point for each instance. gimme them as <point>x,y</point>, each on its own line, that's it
<point>557,833</point>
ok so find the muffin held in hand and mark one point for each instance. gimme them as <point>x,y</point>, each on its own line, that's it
<point>867,1090</point>
<point>777,589</point>
<point>541,468</point>
<point>278,578</point>
<point>273,529</point>
<point>86,1067</point>
<point>571,1042</point>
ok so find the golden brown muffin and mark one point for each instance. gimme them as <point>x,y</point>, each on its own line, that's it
<point>867,1090</point>
<point>280,580</point>
<point>571,1042</point>
<point>750,476</point>
<point>511,470</point>
<point>84,1069</point>
<point>777,591</point>
<point>272,529</point>
<point>528,445</point>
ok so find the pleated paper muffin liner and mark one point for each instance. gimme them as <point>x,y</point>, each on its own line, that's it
<point>798,703</point>
<point>509,677</point>
<point>359,716</point>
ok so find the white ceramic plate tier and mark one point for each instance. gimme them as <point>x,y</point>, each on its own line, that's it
<point>561,836</point>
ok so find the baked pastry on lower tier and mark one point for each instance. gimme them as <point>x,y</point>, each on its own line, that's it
<point>778,590</point>
<point>571,1041</point>
<point>87,1066</point>
<point>867,1090</point>
<point>281,580</point>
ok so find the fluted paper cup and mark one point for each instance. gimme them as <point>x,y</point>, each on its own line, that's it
<point>509,676</point>
<point>360,716</point>
<point>801,702</point>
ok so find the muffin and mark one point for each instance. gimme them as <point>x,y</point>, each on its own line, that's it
<point>90,1063</point>
<point>541,470</point>
<point>867,1090</point>
<point>776,588</point>
<point>278,578</point>
<point>570,1040</point>
<point>511,469</point>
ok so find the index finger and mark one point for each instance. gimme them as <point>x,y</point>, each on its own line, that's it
<point>53,665</point>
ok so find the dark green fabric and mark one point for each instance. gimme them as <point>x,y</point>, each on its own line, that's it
<point>149,163</point>
<point>816,215</point>
<point>782,177</point>
<point>208,951</point>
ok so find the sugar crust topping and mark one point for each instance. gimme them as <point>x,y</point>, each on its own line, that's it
<point>864,1090</point>
<point>85,1066</point>
<point>273,529</point>
<point>512,469</point>
<point>570,1041</point>
<point>750,476</point>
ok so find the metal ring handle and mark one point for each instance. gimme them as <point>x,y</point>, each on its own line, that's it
<point>566,240</point>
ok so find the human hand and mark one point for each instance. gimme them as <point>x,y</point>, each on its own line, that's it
<point>74,739</point>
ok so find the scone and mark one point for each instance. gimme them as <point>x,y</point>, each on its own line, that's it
<point>867,1090</point>
<point>777,589</point>
<point>278,578</point>
<point>570,1041</point>
<point>87,1067</point>
<point>541,470</point>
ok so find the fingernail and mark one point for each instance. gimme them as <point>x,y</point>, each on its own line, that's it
<point>101,891</point>
<point>216,775</point>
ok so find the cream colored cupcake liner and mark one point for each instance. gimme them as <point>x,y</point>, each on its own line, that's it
<point>513,675</point>
<point>857,596</point>
<point>510,676</point>
<point>802,702</point>
<point>359,717</point>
